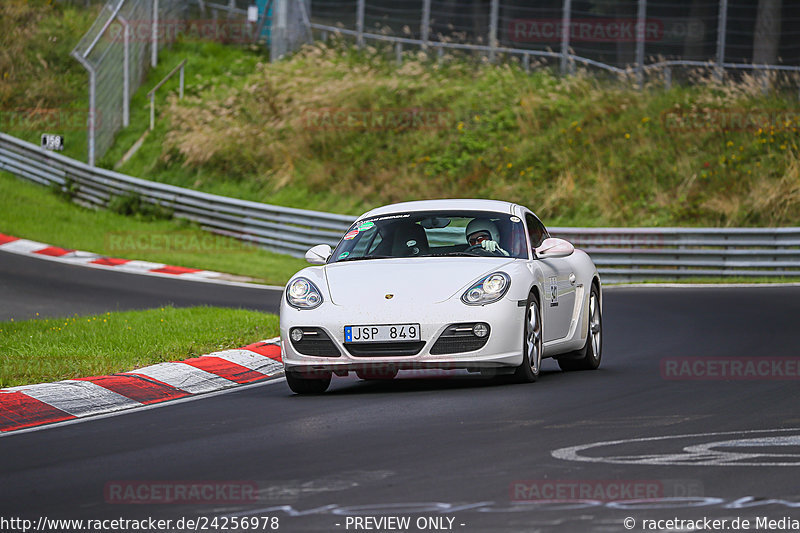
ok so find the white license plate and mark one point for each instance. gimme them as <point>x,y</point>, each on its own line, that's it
<point>384,333</point>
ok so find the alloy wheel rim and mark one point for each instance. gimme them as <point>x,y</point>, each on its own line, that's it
<point>594,325</point>
<point>534,337</point>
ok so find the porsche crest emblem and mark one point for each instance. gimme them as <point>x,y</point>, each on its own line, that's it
<point>389,296</point>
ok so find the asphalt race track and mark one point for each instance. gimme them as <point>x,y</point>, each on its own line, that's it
<point>29,285</point>
<point>442,447</point>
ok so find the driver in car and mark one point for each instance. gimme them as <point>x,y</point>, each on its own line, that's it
<point>484,233</point>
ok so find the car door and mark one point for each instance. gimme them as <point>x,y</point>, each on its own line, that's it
<point>559,292</point>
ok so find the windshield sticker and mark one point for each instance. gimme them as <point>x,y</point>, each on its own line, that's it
<point>553,290</point>
<point>389,217</point>
<point>365,226</point>
<point>515,219</point>
<point>343,255</point>
<point>351,234</point>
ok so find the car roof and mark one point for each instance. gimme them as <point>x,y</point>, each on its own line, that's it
<point>497,206</point>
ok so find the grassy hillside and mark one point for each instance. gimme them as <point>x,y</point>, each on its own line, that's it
<point>41,85</point>
<point>578,150</point>
<point>59,222</point>
<point>343,130</point>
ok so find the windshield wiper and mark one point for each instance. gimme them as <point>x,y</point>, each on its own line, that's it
<point>452,254</point>
<point>363,257</point>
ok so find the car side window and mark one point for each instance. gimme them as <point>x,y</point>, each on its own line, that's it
<point>536,230</point>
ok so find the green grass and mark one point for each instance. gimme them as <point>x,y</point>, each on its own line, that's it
<point>580,150</point>
<point>45,350</point>
<point>42,88</point>
<point>33,212</point>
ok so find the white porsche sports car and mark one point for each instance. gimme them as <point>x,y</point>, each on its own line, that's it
<point>441,284</point>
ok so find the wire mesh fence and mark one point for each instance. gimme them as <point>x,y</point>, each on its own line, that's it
<point>648,37</point>
<point>615,35</point>
<point>124,41</point>
<point>116,51</point>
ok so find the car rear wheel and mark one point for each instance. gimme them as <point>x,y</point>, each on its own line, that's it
<point>588,357</point>
<point>306,384</point>
<point>528,371</point>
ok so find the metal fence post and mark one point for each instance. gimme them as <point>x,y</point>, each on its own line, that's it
<point>360,22</point>
<point>91,119</point>
<point>722,27</point>
<point>398,52</point>
<point>566,28</point>
<point>126,72</point>
<point>92,114</point>
<point>494,14</point>
<point>425,23</point>
<point>154,49</point>
<point>641,21</point>
<point>152,111</point>
<point>278,32</point>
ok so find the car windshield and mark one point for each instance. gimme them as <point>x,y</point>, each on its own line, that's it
<point>433,234</point>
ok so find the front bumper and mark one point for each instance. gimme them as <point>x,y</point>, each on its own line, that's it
<point>502,349</point>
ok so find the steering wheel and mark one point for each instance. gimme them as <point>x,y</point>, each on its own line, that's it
<point>478,247</point>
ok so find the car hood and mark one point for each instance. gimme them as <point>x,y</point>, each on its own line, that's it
<point>420,280</point>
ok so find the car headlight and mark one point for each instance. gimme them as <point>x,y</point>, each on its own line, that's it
<point>487,290</point>
<point>303,294</point>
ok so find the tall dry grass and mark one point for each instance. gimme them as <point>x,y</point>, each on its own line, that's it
<point>578,150</point>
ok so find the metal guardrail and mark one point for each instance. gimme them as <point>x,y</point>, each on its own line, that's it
<point>281,229</point>
<point>632,254</point>
<point>621,254</point>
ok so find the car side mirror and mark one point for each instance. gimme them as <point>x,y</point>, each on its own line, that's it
<point>553,248</point>
<point>319,254</point>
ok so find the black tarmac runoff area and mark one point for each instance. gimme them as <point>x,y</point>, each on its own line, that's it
<point>692,417</point>
<point>29,285</point>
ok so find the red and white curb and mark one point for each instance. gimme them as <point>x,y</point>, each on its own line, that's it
<point>29,406</point>
<point>77,257</point>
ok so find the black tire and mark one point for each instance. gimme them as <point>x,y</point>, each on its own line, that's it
<point>588,357</point>
<point>302,384</point>
<point>532,342</point>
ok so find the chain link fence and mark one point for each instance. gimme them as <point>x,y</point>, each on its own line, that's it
<point>116,52</point>
<point>124,41</point>
<point>615,35</point>
<point>645,37</point>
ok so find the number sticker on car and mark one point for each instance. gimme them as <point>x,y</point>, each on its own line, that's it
<point>382,333</point>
